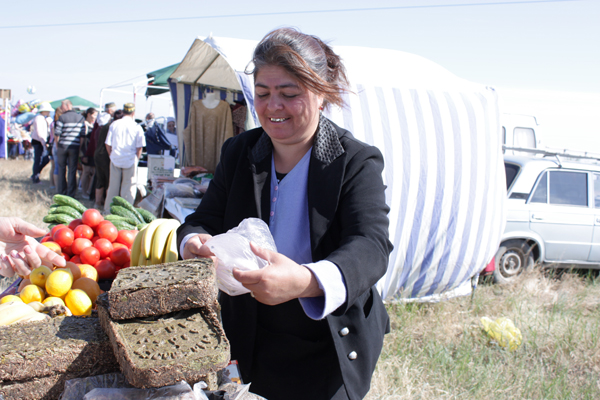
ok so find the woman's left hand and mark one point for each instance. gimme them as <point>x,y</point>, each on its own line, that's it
<point>280,281</point>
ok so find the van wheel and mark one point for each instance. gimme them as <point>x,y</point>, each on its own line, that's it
<point>513,257</point>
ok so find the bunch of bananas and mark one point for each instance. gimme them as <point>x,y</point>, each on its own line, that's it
<point>156,243</point>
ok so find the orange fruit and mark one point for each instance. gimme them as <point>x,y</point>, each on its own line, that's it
<point>39,275</point>
<point>78,302</point>
<point>59,282</point>
<point>89,286</point>
<point>10,297</point>
<point>55,247</point>
<point>24,282</point>
<point>74,270</point>
<point>50,301</point>
<point>32,293</point>
<point>87,271</point>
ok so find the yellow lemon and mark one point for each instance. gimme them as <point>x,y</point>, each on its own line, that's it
<point>59,282</point>
<point>32,293</point>
<point>52,301</point>
<point>78,302</point>
<point>39,275</point>
<point>10,297</point>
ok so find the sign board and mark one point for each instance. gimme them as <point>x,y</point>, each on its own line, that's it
<point>5,94</point>
<point>159,165</point>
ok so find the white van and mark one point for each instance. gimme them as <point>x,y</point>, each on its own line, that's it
<point>521,131</point>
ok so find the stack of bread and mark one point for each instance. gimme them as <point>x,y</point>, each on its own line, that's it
<point>163,325</point>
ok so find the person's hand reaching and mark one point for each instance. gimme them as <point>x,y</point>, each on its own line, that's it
<point>19,251</point>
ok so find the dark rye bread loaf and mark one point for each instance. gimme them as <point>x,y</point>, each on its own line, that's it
<point>73,345</point>
<point>158,351</point>
<point>146,291</point>
<point>46,388</point>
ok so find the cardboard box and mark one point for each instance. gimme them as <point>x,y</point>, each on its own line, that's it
<point>159,165</point>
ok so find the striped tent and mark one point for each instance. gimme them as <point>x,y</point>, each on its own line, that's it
<point>440,137</point>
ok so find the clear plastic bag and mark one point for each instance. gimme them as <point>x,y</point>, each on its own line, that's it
<point>233,251</point>
<point>503,332</point>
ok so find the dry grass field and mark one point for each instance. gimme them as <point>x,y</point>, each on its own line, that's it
<point>439,351</point>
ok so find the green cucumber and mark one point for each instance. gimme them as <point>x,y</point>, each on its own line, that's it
<point>147,215</point>
<point>124,212</point>
<point>113,217</point>
<point>69,201</point>
<point>58,219</point>
<point>119,201</point>
<point>65,210</point>
<point>139,227</point>
<point>123,226</point>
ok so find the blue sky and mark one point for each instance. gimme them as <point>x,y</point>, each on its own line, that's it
<point>546,50</point>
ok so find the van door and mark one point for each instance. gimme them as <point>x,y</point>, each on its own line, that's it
<point>560,214</point>
<point>595,250</point>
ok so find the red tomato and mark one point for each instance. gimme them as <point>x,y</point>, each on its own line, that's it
<point>46,238</point>
<point>66,257</point>
<point>106,269</point>
<point>75,223</point>
<point>76,260</point>
<point>80,244</point>
<point>57,227</point>
<point>83,231</point>
<point>117,245</point>
<point>126,237</point>
<point>94,239</point>
<point>109,232</point>
<point>104,246</point>
<point>64,237</point>
<point>92,217</point>
<point>67,250</point>
<point>120,256</point>
<point>90,255</point>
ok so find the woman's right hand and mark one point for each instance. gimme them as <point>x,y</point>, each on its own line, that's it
<point>195,248</point>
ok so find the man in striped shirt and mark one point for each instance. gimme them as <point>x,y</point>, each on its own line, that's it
<point>68,131</point>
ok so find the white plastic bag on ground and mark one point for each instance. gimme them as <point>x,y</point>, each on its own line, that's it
<point>233,251</point>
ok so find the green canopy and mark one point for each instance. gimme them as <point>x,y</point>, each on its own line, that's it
<point>160,83</point>
<point>77,102</point>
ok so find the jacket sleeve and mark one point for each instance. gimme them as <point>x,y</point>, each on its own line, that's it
<point>360,227</point>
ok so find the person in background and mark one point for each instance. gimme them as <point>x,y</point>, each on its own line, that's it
<point>87,175</point>
<point>313,324</point>
<point>124,144</point>
<point>149,121</point>
<point>101,158</point>
<point>19,252</point>
<point>40,135</point>
<point>68,131</point>
<point>172,134</point>
<point>53,163</point>
<point>110,108</point>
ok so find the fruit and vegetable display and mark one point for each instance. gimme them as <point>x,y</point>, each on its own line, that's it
<point>74,329</point>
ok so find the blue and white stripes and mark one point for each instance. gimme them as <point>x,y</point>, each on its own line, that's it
<point>445,177</point>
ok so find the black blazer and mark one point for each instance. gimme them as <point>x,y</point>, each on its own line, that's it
<point>348,226</point>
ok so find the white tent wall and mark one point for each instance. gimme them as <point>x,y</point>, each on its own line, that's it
<point>441,141</point>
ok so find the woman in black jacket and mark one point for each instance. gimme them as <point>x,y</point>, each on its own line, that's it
<point>313,325</point>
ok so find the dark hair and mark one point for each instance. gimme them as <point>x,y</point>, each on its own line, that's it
<point>118,114</point>
<point>89,111</point>
<point>305,57</point>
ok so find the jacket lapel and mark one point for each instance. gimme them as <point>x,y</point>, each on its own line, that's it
<point>325,175</point>
<point>260,161</point>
